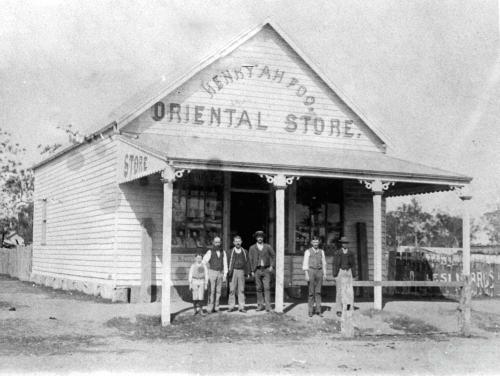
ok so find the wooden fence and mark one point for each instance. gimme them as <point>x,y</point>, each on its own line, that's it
<point>16,262</point>
<point>417,266</point>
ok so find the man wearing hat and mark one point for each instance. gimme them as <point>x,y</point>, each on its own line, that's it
<point>314,266</point>
<point>262,260</point>
<point>344,271</point>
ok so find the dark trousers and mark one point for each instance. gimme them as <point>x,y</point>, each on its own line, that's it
<point>263,284</point>
<point>315,283</point>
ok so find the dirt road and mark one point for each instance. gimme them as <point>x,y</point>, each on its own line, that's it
<point>58,332</point>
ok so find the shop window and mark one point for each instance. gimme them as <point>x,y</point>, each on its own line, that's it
<point>197,210</point>
<point>318,212</point>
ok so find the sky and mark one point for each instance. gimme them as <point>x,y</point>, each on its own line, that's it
<point>426,72</point>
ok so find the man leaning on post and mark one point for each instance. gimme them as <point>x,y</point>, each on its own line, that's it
<point>216,260</point>
<point>314,266</point>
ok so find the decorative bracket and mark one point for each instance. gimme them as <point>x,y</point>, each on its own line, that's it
<point>280,180</point>
<point>169,174</point>
<point>180,173</point>
<point>377,186</point>
<point>462,191</point>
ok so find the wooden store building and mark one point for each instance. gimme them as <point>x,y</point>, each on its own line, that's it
<point>255,137</point>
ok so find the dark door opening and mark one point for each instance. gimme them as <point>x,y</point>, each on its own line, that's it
<point>249,213</point>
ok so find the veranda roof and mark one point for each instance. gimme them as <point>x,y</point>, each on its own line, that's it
<point>268,158</point>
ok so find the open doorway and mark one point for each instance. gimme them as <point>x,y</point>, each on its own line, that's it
<point>249,213</point>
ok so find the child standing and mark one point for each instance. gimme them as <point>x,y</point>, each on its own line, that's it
<point>198,283</point>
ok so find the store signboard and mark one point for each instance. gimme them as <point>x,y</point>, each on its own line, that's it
<point>135,163</point>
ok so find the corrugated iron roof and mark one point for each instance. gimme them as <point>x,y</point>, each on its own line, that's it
<point>298,159</point>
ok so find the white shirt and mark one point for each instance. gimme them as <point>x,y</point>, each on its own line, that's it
<point>305,263</point>
<point>260,247</point>
<point>208,256</point>
<point>191,271</point>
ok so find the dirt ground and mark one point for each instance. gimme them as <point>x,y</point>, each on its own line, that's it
<point>42,330</point>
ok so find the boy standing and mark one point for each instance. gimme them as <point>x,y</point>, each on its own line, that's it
<point>198,283</point>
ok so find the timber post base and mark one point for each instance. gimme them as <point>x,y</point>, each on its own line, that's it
<point>346,322</point>
<point>464,308</point>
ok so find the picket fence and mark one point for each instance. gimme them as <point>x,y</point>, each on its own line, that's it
<point>16,262</point>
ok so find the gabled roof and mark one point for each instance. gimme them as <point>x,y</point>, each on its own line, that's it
<point>347,163</point>
<point>143,100</point>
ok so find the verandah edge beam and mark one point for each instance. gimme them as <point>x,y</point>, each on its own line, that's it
<point>391,283</point>
<point>330,282</point>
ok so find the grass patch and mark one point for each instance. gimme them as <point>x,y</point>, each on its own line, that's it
<point>224,328</point>
<point>5,304</point>
<point>410,325</point>
<point>486,321</point>
<point>47,345</point>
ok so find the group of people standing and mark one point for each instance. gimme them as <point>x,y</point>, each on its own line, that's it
<point>216,267</point>
<point>315,270</point>
<point>234,266</point>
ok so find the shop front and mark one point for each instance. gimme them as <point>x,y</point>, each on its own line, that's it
<point>253,138</point>
<point>227,196</point>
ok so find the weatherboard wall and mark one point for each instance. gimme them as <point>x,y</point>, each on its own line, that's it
<point>264,92</point>
<point>138,200</point>
<point>79,193</point>
<point>93,230</point>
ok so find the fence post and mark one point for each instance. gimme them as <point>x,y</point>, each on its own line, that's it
<point>464,308</point>
<point>346,324</point>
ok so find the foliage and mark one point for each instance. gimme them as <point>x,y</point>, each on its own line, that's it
<point>74,136</point>
<point>16,188</point>
<point>17,184</point>
<point>491,225</point>
<point>410,225</point>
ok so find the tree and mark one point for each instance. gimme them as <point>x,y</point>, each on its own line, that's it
<point>17,183</point>
<point>447,230</point>
<point>491,225</point>
<point>410,225</point>
<point>16,188</point>
<point>74,137</point>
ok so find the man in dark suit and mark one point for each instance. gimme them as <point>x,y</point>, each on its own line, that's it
<point>262,261</point>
